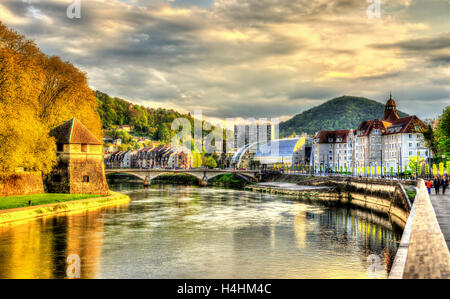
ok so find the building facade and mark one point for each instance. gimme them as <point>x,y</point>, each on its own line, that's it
<point>165,156</point>
<point>255,132</point>
<point>333,149</point>
<point>387,143</point>
<point>391,141</point>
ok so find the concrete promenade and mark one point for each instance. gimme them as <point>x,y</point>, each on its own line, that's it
<point>441,206</point>
<point>423,252</point>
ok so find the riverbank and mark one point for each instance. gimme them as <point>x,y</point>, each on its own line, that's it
<point>379,196</point>
<point>25,213</point>
<point>23,201</point>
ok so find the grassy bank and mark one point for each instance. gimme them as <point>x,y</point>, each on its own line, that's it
<point>11,202</point>
<point>61,205</point>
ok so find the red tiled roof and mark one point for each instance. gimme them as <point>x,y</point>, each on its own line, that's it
<point>74,132</point>
<point>406,124</point>
<point>323,136</point>
<point>367,126</point>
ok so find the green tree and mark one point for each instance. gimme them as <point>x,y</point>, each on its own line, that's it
<point>210,162</point>
<point>414,164</point>
<point>197,160</point>
<point>163,133</point>
<point>430,139</point>
<point>443,133</point>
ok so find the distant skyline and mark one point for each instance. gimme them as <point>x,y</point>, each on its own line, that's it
<point>249,58</point>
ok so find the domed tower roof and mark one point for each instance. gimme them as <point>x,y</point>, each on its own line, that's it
<point>390,110</point>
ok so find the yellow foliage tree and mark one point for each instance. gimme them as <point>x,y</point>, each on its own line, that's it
<point>37,93</point>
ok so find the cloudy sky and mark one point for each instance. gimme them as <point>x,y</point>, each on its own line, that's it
<point>249,58</point>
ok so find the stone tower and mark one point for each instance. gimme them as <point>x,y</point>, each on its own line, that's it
<point>390,111</point>
<point>80,168</point>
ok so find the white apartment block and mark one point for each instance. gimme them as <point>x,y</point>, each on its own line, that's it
<point>246,134</point>
<point>333,149</point>
<point>389,142</point>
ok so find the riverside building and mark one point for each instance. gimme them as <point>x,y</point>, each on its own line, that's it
<point>388,142</point>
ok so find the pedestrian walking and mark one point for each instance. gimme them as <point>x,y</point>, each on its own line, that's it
<point>436,184</point>
<point>429,185</point>
<point>444,184</point>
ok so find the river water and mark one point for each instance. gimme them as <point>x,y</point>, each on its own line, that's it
<point>171,231</point>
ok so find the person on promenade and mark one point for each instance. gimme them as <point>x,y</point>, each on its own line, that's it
<point>436,184</point>
<point>444,184</point>
<point>429,185</point>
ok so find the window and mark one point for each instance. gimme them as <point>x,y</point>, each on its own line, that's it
<point>410,136</point>
<point>84,148</point>
<point>85,179</point>
<point>60,147</point>
<point>410,144</point>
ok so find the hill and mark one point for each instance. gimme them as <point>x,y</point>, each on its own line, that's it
<point>144,121</point>
<point>341,113</point>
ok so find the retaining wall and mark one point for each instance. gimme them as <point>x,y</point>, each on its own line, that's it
<point>22,183</point>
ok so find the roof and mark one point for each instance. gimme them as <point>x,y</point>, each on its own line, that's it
<point>407,124</point>
<point>74,132</point>
<point>278,148</point>
<point>366,127</point>
<point>324,136</point>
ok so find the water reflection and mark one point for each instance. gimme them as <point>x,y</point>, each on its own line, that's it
<point>187,232</point>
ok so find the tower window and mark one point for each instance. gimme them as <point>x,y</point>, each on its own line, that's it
<point>60,147</point>
<point>57,178</point>
<point>84,148</point>
<point>85,179</point>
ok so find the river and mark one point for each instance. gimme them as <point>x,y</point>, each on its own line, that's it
<point>169,231</point>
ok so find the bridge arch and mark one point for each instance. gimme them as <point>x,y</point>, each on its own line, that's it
<point>154,176</point>
<point>141,177</point>
<point>202,175</point>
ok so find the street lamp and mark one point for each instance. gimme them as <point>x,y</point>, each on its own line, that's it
<point>418,161</point>
<point>443,161</point>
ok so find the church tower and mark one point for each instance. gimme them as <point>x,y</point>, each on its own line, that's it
<point>390,111</point>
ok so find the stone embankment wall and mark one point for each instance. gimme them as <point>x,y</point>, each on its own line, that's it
<point>382,196</point>
<point>22,183</point>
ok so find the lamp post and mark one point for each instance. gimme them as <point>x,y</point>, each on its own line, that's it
<point>443,161</point>
<point>381,146</point>
<point>429,160</point>
<point>418,161</point>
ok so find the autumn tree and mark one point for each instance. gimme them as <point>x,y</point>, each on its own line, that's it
<point>24,140</point>
<point>37,93</point>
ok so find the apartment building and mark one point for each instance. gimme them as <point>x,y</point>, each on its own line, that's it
<point>333,149</point>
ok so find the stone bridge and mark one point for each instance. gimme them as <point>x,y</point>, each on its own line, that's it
<point>203,175</point>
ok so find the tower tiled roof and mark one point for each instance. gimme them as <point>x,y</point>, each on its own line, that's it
<point>74,132</point>
<point>390,111</point>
